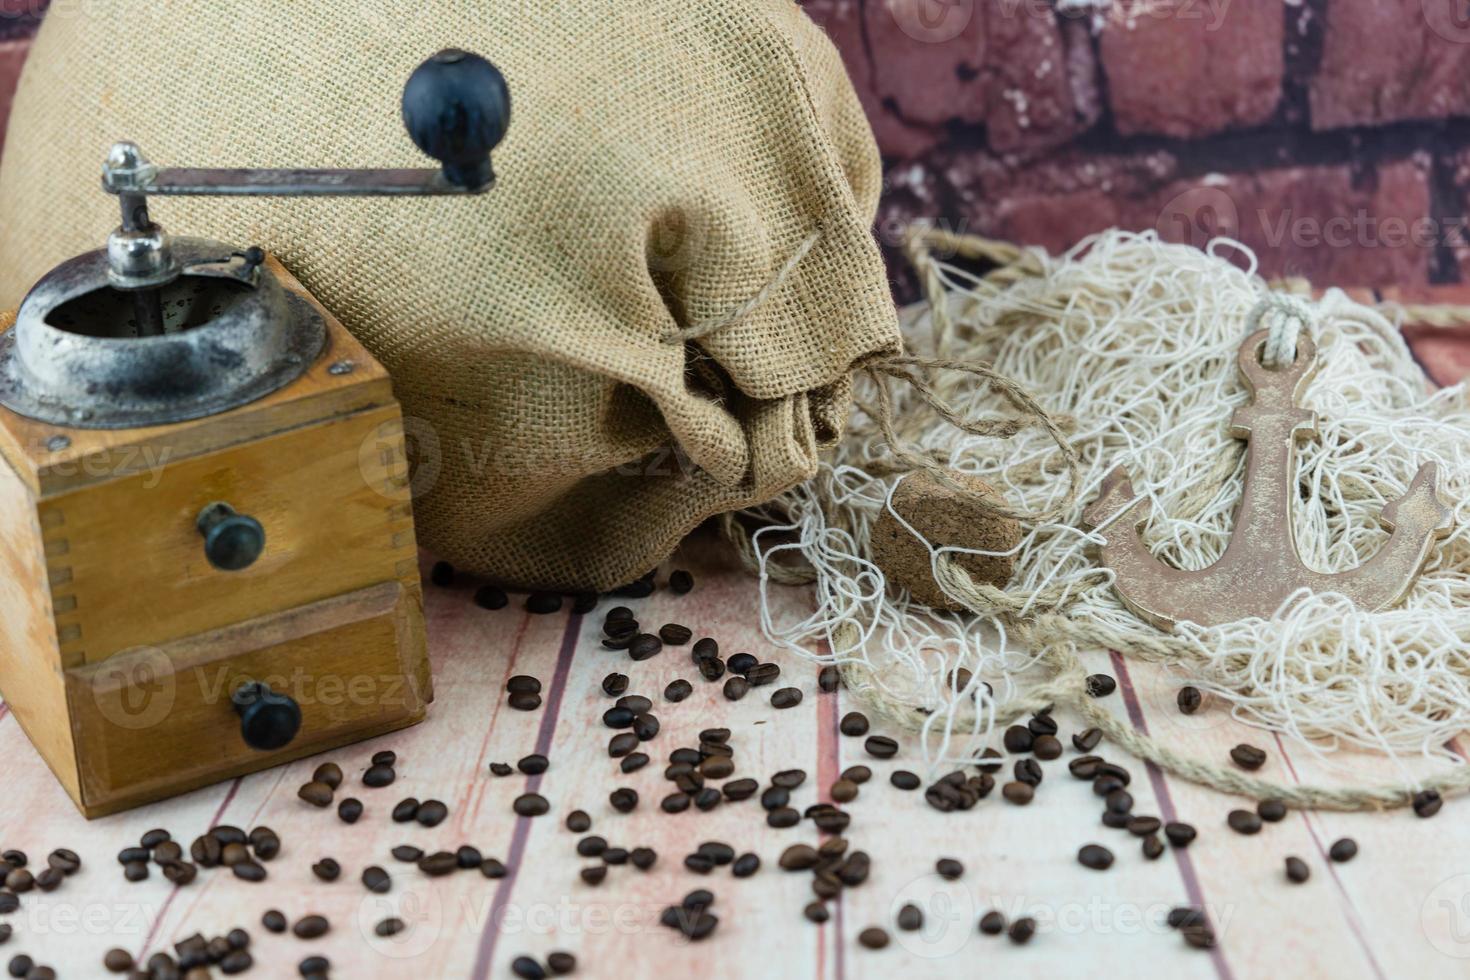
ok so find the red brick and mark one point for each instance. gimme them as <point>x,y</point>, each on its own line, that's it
<point>1190,68</point>
<point>843,22</point>
<point>12,57</point>
<point>20,18</point>
<point>1390,60</point>
<point>929,58</point>
<point>1031,94</point>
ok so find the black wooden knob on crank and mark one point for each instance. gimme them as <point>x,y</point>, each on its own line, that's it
<point>457,107</point>
<point>268,721</point>
<point>231,541</point>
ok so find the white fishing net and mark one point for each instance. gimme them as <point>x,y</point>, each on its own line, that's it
<point>1131,344</point>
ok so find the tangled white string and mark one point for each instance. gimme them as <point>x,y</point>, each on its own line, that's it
<point>1134,341</point>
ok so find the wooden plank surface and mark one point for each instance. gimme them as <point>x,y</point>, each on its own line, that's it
<point>1401,908</point>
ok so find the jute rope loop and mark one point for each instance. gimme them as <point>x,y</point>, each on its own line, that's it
<point>704,328</point>
<point>1292,319</point>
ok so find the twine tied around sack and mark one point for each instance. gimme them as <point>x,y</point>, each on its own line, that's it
<point>827,521</point>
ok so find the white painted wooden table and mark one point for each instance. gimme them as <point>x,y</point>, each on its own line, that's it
<point>1402,908</point>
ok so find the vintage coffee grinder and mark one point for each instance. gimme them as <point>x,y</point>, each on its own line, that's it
<point>207,556</point>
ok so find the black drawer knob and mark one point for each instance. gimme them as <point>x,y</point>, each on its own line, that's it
<point>231,541</point>
<point>268,721</point>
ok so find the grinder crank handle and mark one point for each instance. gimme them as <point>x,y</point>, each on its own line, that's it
<point>456,107</point>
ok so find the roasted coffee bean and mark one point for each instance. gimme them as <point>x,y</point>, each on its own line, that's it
<point>407,852</point>
<point>1119,801</point>
<point>327,869</point>
<point>311,927</point>
<point>717,767</point>
<point>1084,766</point>
<point>584,602</point>
<point>845,791</point>
<point>168,852</point>
<point>489,597</point>
<point>442,574</point>
<point>379,776</point>
<point>798,857</point>
<point>1179,834</point>
<point>675,803</point>
<point>646,726</point>
<point>118,961</point>
<point>491,868</point>
<point>349,810</point>
<point>524,702</point>
<point>1344,849</point>
<point>390,926</point>
<point>1297,870</point>
<point>314,968</point>
<point>740,789</point>
<point>1248,757</point>
<point>1088,740</point>
<point>329,773</point>
<point>949,868</point>
<point>1047,747</point>
<point>713,668</point>
<point>736,688</point>
<point>1152,847</point>
<point>49,879</point>
<point>523,684</point>
<point>641,589</point>
<point>263,841</point>
<point>127,855</point>
<point>619,717</point>
<point>615,855</point>
<point>1018,739</point>
<point>623,799</point>
<point>741,663</point>
<point>745,865</point>
<point>9,902</point>
<point>993,923</point>
<point>786,697</point>
<point>385,757</point>
<point>501,769</point>
<point>762,674</point>
<point>881,747</point>
<point>643,858</point>
<point>530,805</point>
<point>273,921</point>
<point>675,635</point>
<point>406,810</point>
<point>1105,784</point>
<point>1042,724</point>
<point>1244,822</point>
<point>645,646</point>
<point>1143,826</point>
<point>700,864</point>
<point>614,684</point>
<point>816,912</point>
<point>20,965</point>
<point>248,871</point>
<point>438,864</point>
<point>857,774</point>
<point>316,793</point>
<point>681,582</point>
<point>633,761</point>
<point>533,765</point>
<point>527,968</point>
<point>1189,699</point>
<point>592,846</point>
<point>1115,820</point>
<point>543,603</point>
<point>618,613</point>
<point>1018,793</point>
<point>775,797</point>
<point>233,854</point>
<point>578,821</point>
<point>621,744</point>
<point>1101,685</point>
<point>678,690</point>
<point>832,820</point>
<point>828,679</point>
<point>717,851</point>
<point>783,817</point>
<point>1022,930</point>
<point>873,937</point>
<point>1199,936</point>
<point>150,840</point>
<point>180,872</point>
<point>1427,803</point>
<point>789,778</point>
<point>21,881</point>
<point>705,648</point>
<point>910,918</point>
<point>375,879</point>
<point>1095,856</point>
<point>64,860</point>
<point>1028,771</point>
<point>1272,811</point>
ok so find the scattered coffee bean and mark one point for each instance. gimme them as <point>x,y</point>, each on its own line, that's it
<point>390,926</point>
<point>745,865</point>
<point>405,810</point>
<point>1179,834</point>
<point>741,789</point>
<point>675,803</point>
<point>349,810</point>
<point>501,769</point>
<point>524,702</point>
<point>438,864</point>
<point>386,757</point>
<point>578,821</point>
<point>327,869</point>
<point>314,968</point>
<point>1095,856</point>
<point>949,868</point>
<point>527,968</point>
<point>1088,740</point>
<point>1028,771</point>
<point>786,697</point>
<point>1427,803</point>
<point>881,747</point>
<point>533,765</point>
<point>1297,870</point>
<point>713,668</point>
<point>491,868</point>
<point>828,679</point>
<point>1018,793</point>
<point>762,674</point>
<point>1244,822</point>
<point>489,597</point>
<point>431,813</point>
<point>614,684</point>
<point>1344,849</point>
<point>375,879</point>
<point>1199,936</point>
<point>845,791</point>
<point>118,961</point>
<point>678,690</point>
<point>316,793</point>
<point>248,871</point>
<point>407,852</point>
<point>1101,685</point>
<point>1152,847</point>
<point>741,663</point>
<point>1189,699</point>
<point>675,635</point>
<point>873,937</point>
<point>379,776</point>
<point>646,726</point>
<point>783,817</point>
<point>1272,811</point>
<point>530,805</point>
<point>623,799</point>
<point>1143,826</point>
<point>442,574</point>
<point>910,918</point>
<point>643,858</point>
<point>523,684</point>
<point>857,774</point>
<point>311,927</point>
<point>1248,757</point>
<point>329,773</point>
<point>1018,739</point>
<point>789,778</point>
<point>1022,930</point>
<point>681,582</point>
<point>633,761</point>
<point>854,723</point>
<point>1047,747</point>
<point>543,603</point>
<point>594,875</point>
<point>816,912</point>
<point>993,923</point>
<point>274,921</point>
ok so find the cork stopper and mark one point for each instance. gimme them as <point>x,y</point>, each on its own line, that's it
<point>946,519</point>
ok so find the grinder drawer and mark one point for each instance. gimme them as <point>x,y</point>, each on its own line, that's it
<point>157,721</point>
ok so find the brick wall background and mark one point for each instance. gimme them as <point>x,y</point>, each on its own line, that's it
<point>1331,136</point>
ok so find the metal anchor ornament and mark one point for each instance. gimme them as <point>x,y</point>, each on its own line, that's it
<point>1261,567</point>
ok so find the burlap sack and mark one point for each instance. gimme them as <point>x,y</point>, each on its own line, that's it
<point>666,159</point>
